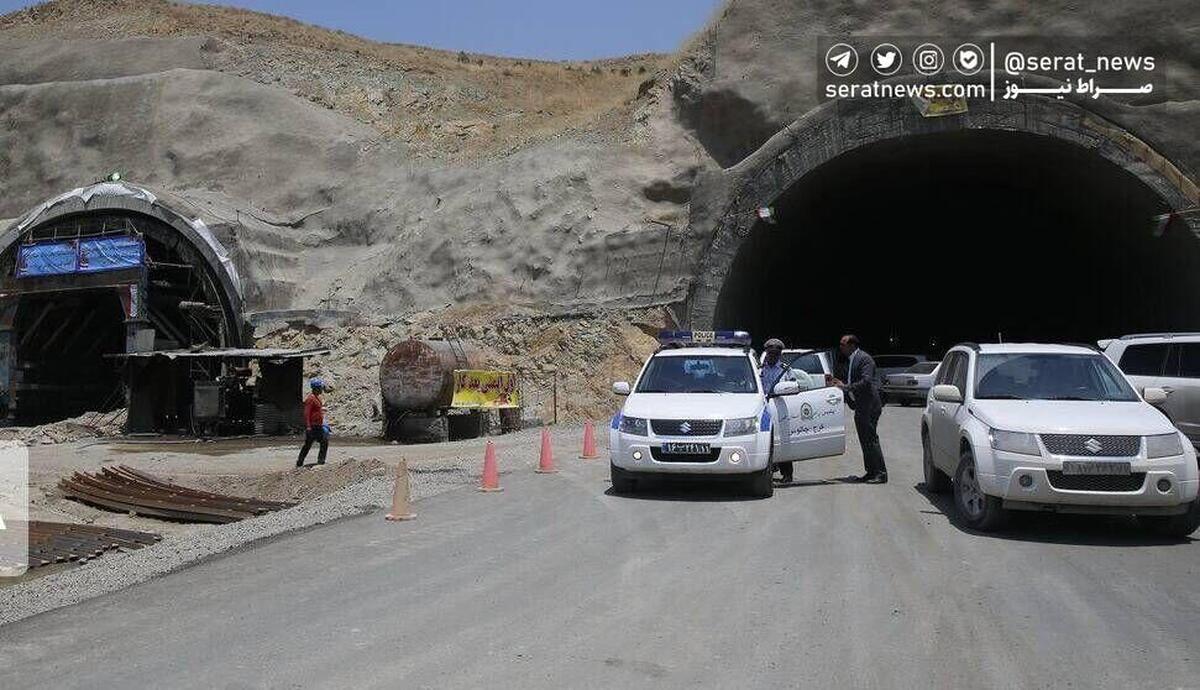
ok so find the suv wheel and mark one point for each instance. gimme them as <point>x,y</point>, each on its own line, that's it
<point>936,481</point>
<point>622,482</point>
<point>762,483</point>
<point>1174,525</point>
<point>975,508</point>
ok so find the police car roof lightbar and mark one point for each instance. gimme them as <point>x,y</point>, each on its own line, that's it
<point>704,339</point>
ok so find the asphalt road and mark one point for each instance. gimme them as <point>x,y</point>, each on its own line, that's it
<point>556,583</point>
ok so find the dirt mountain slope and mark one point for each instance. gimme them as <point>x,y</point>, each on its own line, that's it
<point>441,104</point>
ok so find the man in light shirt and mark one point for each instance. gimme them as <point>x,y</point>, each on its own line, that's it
<point>772,372</point>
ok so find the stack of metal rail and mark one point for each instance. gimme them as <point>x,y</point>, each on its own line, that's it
<point>128,490</point>
<point>60,542</point>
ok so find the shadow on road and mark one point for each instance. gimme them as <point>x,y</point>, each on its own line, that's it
<point>708,489</point>
<point>686,490</point>
<point>801,483</point>
<point>1057,528</point>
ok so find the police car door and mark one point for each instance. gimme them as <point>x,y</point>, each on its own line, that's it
<point>816,420</point>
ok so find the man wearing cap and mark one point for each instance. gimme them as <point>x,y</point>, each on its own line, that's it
<point>773,371</point>
<point>315,428</point>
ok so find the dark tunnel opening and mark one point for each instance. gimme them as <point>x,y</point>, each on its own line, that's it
<point>919,243</point>
<point>64,338</point>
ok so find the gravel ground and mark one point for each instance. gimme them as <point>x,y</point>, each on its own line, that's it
<point>559,583</point>
<point>438,468</point>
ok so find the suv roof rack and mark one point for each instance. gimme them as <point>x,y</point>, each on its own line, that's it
<point>973,346</point>
<point>1135,336</point>
<point>1089,346</point>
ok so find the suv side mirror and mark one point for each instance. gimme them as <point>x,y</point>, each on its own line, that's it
<point>785,388</point>
<point>621,388</point>
<point>947,393</point>
<point>1154,396</point>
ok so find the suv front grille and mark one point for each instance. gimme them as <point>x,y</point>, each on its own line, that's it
<point>1096,482</point>
<point>686,427</point>
<point>1093,446</point>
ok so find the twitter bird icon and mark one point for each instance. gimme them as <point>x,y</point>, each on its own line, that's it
<point>886,59</point>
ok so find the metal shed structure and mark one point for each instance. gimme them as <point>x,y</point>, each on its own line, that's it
<point>216,391</point>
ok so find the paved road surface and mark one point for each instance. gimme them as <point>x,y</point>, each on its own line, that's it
<point>555,583</point>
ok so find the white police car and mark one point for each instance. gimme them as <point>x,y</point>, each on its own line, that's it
<point>698,408</point>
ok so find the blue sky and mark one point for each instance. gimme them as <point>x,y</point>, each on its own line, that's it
<point>545,29</point>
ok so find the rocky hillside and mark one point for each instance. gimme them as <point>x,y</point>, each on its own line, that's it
<point>440,104</point>
<point>755,69</point>
<point>390,179</point>
<point>356,175</point>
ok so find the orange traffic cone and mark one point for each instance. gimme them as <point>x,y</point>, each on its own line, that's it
<point>491,471</point>
<point>546,462</point>
<point>400,508</point>
<point>589,442</point>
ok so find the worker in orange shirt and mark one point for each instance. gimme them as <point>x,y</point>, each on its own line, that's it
<point>315,428</point>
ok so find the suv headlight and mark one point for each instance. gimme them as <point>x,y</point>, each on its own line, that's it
<point>741,427</point>
<point>1163,446</point>
<point>1015,442</point>
<point>634,425</point>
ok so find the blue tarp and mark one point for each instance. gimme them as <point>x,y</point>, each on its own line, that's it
<point>80,256</point>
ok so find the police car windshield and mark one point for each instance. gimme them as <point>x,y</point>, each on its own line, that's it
<point>1049,376</point>
<point>698,374</point>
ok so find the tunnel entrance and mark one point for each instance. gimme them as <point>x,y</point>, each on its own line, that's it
<point>80,290</point>
<point>920,242</point>
<point>63,339</point>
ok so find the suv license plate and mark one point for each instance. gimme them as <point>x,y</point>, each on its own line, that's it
<point>1088,467</point>
<point>686,448</point>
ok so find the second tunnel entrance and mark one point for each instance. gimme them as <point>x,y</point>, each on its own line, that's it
<point>922,241</point>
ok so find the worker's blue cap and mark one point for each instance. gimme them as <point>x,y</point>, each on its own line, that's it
<point>316,384</point>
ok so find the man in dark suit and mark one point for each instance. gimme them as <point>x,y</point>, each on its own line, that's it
<point>862,395</point>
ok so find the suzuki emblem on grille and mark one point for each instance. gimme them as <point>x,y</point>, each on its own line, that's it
<point>685,427</point>
<point>1093,446</point>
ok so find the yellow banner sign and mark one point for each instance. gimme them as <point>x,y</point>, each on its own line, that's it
<point>485,389</point>
<point>940,106</point>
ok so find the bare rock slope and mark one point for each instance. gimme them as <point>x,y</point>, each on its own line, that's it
<point>355,175</point>
<point>389,179</point>
<point>756,68</point>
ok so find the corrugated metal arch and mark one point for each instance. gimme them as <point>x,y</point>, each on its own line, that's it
<point>122,196</point>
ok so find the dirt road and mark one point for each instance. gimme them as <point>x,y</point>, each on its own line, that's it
<point>557,583</point>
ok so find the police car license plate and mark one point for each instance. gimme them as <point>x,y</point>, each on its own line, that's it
<point>1088,467</point>
<point>686,448</point>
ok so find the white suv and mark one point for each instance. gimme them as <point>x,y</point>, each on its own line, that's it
<point>1054,427</point>
<point>1170,361</point>
<point>698,408</point>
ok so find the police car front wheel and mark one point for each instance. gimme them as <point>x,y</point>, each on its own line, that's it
<point>622,482</point>
<point>762,482</point>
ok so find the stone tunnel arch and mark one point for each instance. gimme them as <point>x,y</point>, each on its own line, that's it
<point>61,324</point>
<point>798,170</point>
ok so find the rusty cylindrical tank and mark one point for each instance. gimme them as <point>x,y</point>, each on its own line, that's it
<point>418,375</point>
